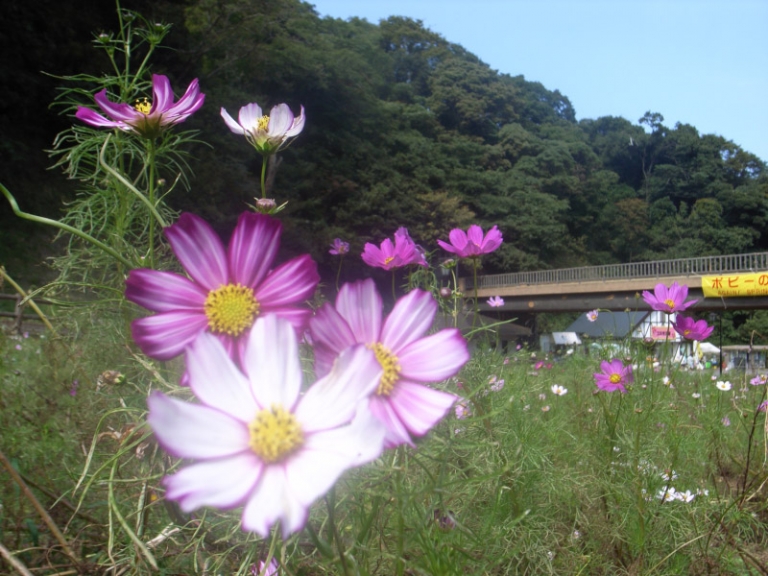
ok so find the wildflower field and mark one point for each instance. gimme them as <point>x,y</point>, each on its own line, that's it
<point>199,404</point>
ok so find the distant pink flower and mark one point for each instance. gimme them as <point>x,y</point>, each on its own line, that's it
<point>461,410</point>
<point>691,329</point>
<point>267,134</point>
<point>592,315</point>
<point>670,299</point>
<point>495,301</point>
<point>472,243</point>
<point>496,384</point>
<point>726,421</point>
<point>389,255</point>
<point>759,380</point>
<point>763,406</point>
<point>271,569</point>
<point>339,247</point>
<point>539,365</point>
<point>18,346</point>
<point>229,288</point>
<point>256,439</point>
<point>146,118</point>
<point>614,376</point>
<point>410,359</point>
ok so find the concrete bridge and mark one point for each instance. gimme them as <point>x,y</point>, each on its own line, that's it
<point>619,286</point>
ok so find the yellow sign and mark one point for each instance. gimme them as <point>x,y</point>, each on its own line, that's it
<point>735,285</point>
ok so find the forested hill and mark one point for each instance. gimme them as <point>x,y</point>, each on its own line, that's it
<point>405,129</point>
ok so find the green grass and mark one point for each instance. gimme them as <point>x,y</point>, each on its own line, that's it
<point>528,483</point>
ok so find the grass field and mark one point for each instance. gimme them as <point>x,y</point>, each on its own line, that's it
<point>666,479</point>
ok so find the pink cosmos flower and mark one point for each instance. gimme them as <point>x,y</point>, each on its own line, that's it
<point>472,243</point>
<point>763,406</point>
<point>339,247</point>
<point>759,380</point>
<point>148,119</point>
<point>592,315</point>
<point>691,329</point>
<point>614,376</point>
<point>256,439</point>
<point>271,569</point>
<point>670,299</point>
<point>495,301</point>
<point>229,288</point>
<point>268,134</point>
<point>402,401</point>
<point>390,255</point>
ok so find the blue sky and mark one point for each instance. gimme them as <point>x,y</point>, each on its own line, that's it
<point>699,62</point>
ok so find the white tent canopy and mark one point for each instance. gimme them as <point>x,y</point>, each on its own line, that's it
<point>707,348</point>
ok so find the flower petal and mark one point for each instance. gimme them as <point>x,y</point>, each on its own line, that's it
<point>249,116</point>
<point>231,124</point>
<point>332,400</point>
<point>193,430</point>
<point>199,250</point>
<point>289,283</point>
<point>298,125</point>
<point>216,381</point>
<point>435,357</point>
<point>419,407</point>
<point>253,248</point>
<point>165,335</point>
<point>272,501</point>
<point>95,119</point>
<point>409,320</point>
<point>330,336</point>
<point>120,112</point>
<point>164,291</point>
<point>360,304</point>
<point>326,455</point>
<point>223,483</point>
<point>280,120</point>
<point>162,95</point>
<point>272,362</point>
<point>396,433</point>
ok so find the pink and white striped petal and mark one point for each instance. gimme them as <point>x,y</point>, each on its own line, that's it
<point>165,335</point>
<point>410,318</point>
<point>435,357</point>
<point>273,501</point>
<point>199,250</point>
<point>360,304</point>
<point>419,407</point>
<point>289,283</point>
<point>223,483</point>
<point>396,432</point>
<point>272,363</point>
<point>332,400</point>
<point>216,381</point>
<point>195,431</point>
<point>253,248</point>
<point>163,291</point>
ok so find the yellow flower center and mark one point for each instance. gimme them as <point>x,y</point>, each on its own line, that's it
<point>388,260</point>
<point>615,378</point>
<point>670,303</point>
<point>686,332</point>
<point>231,309</point>
<point>275,434</point>
<point>262,123</point>
<point>143,105</point>
<point>391,367</point>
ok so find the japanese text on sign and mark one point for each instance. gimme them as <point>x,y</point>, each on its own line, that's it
<point>730,285</point>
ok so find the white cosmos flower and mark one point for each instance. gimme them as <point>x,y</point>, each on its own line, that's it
<point>256,441</point>
<point>724,386</point>
<point>559,390</point>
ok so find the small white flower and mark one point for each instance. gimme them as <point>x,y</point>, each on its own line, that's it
<point>559,390</point>
<point>685,496</point>
<point>696,395</point>
<point>669,475</point>
<point>724,386</point>
<point>667,494</point>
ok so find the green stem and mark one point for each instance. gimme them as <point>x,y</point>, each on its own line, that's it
<point>330,502</point>
<point>474,275</point>
<point>152,201</point>
<point>338,272</point>
<point>123,180</point>
<point>264,160</point>
<point>66,227</point>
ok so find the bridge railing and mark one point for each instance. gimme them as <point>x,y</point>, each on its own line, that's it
<point>700,266</point>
